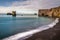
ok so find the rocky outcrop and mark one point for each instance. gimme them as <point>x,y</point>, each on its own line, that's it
<point>13,13</point>
<point>53,12</point>
<point>9,13</point>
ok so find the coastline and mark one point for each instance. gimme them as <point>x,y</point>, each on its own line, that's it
<point>25,35</point>
<point>49,34</point>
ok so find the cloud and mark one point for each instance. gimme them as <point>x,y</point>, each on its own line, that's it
<point>17,9</point>
<point>49,3</point>
<point>36,4</point>
<point>18,3</point>
<point>30,5</point>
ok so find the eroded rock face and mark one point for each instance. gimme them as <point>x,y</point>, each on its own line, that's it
<point>53,12</point>
<point>13,13</point>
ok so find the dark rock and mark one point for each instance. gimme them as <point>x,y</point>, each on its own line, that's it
<point>50,34</point>
<point>9,13</point>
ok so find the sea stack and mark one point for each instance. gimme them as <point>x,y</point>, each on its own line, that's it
<point>14,13</point>
<point>9,13</point>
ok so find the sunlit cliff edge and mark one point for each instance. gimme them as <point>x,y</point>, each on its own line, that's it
<point>52,12</point>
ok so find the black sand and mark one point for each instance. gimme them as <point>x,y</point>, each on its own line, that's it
<point>50,34</point>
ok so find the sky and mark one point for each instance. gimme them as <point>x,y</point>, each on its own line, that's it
<point>26,5</point>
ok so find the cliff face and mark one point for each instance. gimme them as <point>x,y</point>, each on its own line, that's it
<point>53,12</point>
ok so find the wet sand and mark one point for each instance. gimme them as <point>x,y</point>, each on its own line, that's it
<point>50,34</point>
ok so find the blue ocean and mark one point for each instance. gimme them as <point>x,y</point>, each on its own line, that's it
<point>12,25</point>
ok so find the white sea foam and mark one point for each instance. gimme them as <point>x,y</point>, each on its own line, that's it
<point>24,35</point>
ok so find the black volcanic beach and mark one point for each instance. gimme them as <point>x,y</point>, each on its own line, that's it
<point>49,34</point>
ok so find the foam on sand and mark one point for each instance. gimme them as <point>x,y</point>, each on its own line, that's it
<point>24,35</point>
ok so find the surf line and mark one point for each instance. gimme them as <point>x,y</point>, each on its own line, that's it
<point>27,34</point>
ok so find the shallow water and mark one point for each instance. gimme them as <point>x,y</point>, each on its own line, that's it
<point>13,25</point>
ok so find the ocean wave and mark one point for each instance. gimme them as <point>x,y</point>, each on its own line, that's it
<point>24,35</point>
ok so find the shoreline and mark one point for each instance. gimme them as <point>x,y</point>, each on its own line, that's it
<point>28,34</point>
<point>49,34</point>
